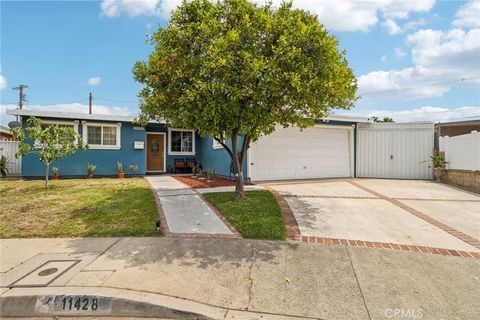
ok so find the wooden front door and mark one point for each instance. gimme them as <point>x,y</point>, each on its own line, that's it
<point>155,152</point>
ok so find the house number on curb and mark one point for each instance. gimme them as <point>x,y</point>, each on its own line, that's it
<point>74,305</point>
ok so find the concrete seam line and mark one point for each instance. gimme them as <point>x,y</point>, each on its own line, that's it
<point>101,254</point>
<point>454,232</point>
<point>285,282</point>
<point>358,283</point>
<point>250,277</point>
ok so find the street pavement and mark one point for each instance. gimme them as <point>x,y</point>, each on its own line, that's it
<point>207,278</point>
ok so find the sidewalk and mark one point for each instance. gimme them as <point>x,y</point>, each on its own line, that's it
<point>226,278</point>
<point>183,210</point>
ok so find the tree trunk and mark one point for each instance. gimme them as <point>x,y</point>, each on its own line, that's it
<point>237,168</point>
<point>47,166</point>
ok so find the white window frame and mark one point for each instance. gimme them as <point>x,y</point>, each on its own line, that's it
<point>180,153</point>
<point>74,123</point>
<point>118,127</point>
<point>66,123</point>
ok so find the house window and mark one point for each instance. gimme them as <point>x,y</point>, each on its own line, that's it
<point>181,142</point>
<point>94,135</point>
<point>102,136</point>
<point>109,136</point>
<point>64,124</point>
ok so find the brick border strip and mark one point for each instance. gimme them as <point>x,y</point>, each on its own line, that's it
<point>327,197</point>
<point>161,214</point>
<point>293,233</point>
<point>168,233</point>
<point>230,227</point>
<point>454,232</point>
<point>391,246</point>
<point>236,234</point>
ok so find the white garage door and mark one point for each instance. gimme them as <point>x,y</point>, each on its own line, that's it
<point>317,152</point>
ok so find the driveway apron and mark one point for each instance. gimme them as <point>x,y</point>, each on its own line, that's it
<point>184,209</point>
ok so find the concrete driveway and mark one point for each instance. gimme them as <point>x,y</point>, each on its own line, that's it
<point>419,213</point>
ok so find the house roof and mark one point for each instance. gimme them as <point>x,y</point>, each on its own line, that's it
<point>104,117</point>
<point>69,115</point>
<point>348,119</point>
<point>458,123</point>
<point>4,129</point>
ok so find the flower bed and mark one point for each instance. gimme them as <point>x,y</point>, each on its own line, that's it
<point>197,183</point>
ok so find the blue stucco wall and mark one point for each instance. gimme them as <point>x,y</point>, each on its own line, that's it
<point>218,159</point>
<point>106,160</point>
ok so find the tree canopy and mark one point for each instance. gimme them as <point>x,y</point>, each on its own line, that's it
<point>234,68</point>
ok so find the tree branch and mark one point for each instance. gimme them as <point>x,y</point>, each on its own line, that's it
<point>224,146</point>
<point>245,146</point>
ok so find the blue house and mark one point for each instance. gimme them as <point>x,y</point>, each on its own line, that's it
<point>325,150</point>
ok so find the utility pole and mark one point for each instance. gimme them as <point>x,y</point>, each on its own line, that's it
<point>21,96</point>
<point>90,103</point>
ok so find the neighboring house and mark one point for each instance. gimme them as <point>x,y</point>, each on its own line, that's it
<point>5,133</point>
<point>327,150</point>
<point>457,128</point>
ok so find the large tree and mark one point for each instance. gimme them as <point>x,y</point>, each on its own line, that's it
<point>236,70</point>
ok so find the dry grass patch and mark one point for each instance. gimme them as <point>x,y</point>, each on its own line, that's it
<point>77,208</point>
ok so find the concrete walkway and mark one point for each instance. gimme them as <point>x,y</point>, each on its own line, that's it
<point>240,279</point>
<point>185,210</point>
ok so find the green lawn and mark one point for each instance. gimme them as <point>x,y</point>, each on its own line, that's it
<point>259,217</point>
<point>77,208</point>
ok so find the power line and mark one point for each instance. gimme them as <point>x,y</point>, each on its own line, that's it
<point>433,112</point>
<point>425,86</point>
<point>116,100</point>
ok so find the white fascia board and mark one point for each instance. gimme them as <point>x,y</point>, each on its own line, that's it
<point>69,115</point>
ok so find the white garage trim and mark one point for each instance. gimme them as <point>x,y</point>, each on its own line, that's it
<point>322,151</point>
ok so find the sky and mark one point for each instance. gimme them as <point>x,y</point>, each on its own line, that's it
<point>414,60</point>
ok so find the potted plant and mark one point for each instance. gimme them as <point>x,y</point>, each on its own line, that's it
<point>3,166</point>
<point>133,168</point>
<point>56,173</point>
<point>438,164</point>
<point>210,175</point>
<point>120,172</point>
<point>90,170</point>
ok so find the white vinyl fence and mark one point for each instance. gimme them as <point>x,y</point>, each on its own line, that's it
<point>462,152</point>
<point>8,149</point>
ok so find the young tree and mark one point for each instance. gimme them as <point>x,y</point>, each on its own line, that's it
<point>50,142</point>
<point>235,70</point>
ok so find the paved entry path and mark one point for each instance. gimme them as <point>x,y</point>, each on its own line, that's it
<point>185,211</point>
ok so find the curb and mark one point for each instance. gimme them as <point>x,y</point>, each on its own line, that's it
<point>26,302</point>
